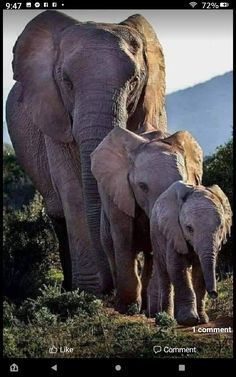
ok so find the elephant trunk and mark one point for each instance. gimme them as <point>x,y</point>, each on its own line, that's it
<point>208,265</point>
<point>94,118</point>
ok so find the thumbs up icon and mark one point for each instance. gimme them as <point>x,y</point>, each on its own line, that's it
<point>53,349</point>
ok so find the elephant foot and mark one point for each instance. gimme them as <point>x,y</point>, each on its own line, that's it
<point>187,317</point>
<point>203,318</point>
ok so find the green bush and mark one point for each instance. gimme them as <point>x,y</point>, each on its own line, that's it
<point>10,343</point>
<point>52,306</point>
<point>133,309</point>
<point>28,246</point>
<point>18,189</point>
<point>93,330</point>
<point>30,249</point>
<point>218,169</point>
<point>68,304</point>
<point>163,319</point>
<point>52,318</point>
<point>71,303</point>
<point>8,314</point>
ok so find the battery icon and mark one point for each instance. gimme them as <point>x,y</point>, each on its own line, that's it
<point>224,5</point>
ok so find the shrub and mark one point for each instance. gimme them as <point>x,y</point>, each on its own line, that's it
<point>28,245</point>
<point>18,190</point>
<point>218,169</point>
<point>8,313</point>
<point>52,306</point>
<point>72,303</point>
<point>133,309</point>
<point>163,319</point>
<point>95,331</point>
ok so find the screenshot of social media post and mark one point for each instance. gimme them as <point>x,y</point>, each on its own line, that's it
<point>117,182</point>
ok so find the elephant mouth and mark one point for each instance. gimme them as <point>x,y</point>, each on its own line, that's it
<point>191,252</point>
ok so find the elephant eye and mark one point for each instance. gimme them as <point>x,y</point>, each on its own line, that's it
<point>67,81</point>
<point>143,186</point>
<point>189,228</point>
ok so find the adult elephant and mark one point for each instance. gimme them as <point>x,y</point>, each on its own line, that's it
<point>75,82</point>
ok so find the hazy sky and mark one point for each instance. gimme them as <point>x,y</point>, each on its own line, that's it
<point>198,44</point>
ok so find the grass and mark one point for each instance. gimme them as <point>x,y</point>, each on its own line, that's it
<point>83,322</point>
<point>223,306</point>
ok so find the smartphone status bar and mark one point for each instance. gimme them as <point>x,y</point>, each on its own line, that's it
<point>11,5</point>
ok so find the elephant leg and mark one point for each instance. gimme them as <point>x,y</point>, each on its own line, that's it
<point>160,295</point>
<point>185,308</point>
<point>107,244</point>
<point>64,167</point>
<point>59,225</point>
<point>127,279</point>
<point>200,291</point>
<point>29,145</point>
<point>146,275</point>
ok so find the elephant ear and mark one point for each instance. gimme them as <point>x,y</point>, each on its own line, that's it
<point>153,98</point>
<point>185,143</point>
<point>166,214</point>
<point>110,163</point>
<point>216,190</point>
<point>35,53</point>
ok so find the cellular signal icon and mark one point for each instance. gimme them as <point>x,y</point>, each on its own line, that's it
<point>193,4</point>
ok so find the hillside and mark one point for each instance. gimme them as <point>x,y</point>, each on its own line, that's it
<point>206,110</point>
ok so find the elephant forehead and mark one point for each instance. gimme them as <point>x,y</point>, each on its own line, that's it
<point>208,196</point>
<point>91,35</point>
<point>155,155</point>
<point>151,164</point>
<point>202,207</point>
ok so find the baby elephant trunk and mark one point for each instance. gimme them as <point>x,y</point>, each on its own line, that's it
<point>208,265</point>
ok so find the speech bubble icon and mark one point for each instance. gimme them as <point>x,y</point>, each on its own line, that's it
<point>157,349</point>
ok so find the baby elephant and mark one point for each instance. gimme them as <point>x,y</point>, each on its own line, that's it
<point>188,225</point>
<point>132,171</point>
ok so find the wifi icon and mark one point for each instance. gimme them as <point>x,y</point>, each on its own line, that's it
<point>193,4</point>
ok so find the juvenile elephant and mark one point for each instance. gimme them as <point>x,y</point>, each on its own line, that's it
<point>74,82</point>
<point>132,171</point>
<point>188,225</point>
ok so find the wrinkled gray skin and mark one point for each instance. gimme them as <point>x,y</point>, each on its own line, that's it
<point>132,171</point>
<point>75,82</point>
<point>188,226</point>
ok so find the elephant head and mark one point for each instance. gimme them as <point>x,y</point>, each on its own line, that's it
<point>195,215</point>
<point>134,168</point>
<point>79,80</point>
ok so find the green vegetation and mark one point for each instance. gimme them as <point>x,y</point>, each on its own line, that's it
<point>29,251</point>
<point>223,306</point>
<point>18,190</point>
<point>218,169</point>
<point>164,320</point>
<point>38,314</point>
<point>82,322</point>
